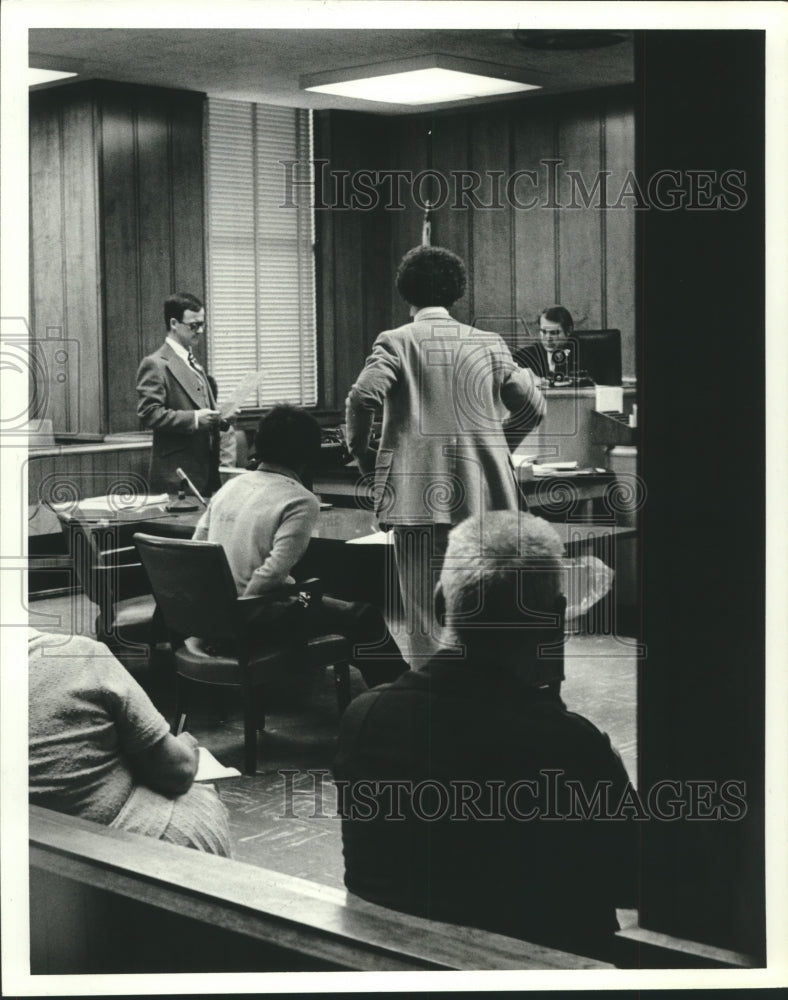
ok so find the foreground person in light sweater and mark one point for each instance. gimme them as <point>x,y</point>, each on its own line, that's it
<point>99,749</point>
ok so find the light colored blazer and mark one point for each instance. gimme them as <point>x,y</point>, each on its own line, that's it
<point>168,393</point>
<point>446,391</point>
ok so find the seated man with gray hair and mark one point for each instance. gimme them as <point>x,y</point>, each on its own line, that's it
<point>468,793</point>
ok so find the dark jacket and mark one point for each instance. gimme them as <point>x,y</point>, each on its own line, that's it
<point>505,859</point>
<point>533,355</point>
<point>168,393</point>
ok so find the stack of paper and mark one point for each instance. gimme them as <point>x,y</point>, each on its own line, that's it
<point>554,468</point>
<point>113,503</point>
<point>520,460</point>
<point>378,538</point>
<point>209,768</point>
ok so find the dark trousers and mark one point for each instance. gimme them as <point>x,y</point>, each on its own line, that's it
<point>373,649</point>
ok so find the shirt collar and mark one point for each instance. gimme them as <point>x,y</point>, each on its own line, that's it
<point>280,470</point>
<point>179,349</point>
<point>431,312</point>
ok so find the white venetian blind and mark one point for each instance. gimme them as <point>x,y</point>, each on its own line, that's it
<point>260,252</point>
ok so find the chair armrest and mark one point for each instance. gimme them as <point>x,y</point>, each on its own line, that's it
<point>250,609</point>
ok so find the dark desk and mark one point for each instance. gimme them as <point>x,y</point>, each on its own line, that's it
<point>356,562</point>
<point>338,524</point>
<point>556,498</point>
<point>359,528</point>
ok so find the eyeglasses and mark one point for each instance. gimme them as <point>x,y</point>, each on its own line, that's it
<point>196,326</point>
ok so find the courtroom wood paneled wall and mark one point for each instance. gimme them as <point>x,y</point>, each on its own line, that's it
<point>152,206</point>
<point>519,258</point>
<point>76,473</point>
<point>65,311</point>
<point>116,224</point>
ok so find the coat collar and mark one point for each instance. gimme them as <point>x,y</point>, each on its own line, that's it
<point>182,372</point>
<point>431,312</point>
<point>280,470</point>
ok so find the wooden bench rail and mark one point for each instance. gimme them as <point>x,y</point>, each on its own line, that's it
<point>315,924</point>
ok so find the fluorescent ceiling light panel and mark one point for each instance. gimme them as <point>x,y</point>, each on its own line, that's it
<point>36,76</point>
<point>423,80</point>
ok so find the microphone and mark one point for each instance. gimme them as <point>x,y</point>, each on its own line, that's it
<point>190,484</point>
<point>181,505</point>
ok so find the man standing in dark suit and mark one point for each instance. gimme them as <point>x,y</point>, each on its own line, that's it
<point>175,401</point>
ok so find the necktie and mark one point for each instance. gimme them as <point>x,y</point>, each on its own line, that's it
<point>197,369</point>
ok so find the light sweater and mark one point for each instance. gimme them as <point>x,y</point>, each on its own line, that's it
<point>264,521</point>
<point>87,714</point>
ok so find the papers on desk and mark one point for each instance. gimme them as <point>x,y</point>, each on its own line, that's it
<point>377,538</point>
<point>554,469</point>
<point>518,461</point>
<point>209,768</point>
<point>529,466</point>
<point>112,504</point>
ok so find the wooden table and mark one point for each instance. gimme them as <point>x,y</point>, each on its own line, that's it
<point>354,570</point>
<point>341,525</point>
<point>365,569</point>
<point>556,498</point>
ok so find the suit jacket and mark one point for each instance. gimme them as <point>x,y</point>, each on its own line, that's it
<point>446,391</point>
<point>534,356</point>
<point>168,393</point>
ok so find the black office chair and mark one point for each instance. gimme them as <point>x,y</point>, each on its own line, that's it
<point>112,577</point>
<point>197,596</point>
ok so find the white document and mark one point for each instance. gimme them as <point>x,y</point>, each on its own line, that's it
<point>610,398</point>
<point>378,538</point>
<point>209,768</point>
<point>232,404</point>
<point>554,469</point>
<point>520,460</point>
<point>557,466</point>
<point>113,503</point>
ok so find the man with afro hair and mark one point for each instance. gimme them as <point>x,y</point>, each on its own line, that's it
<point>454,405</point>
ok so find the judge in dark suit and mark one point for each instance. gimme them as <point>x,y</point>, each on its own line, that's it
<point>175,401</point>
<point>550,357</point>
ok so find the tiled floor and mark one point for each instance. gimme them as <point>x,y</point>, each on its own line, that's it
<point>283,818</point>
